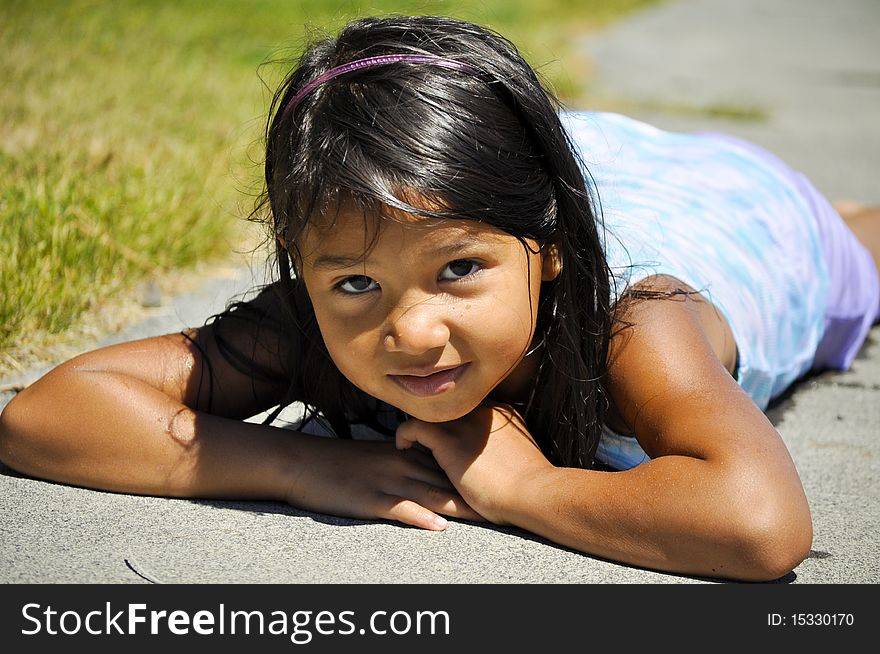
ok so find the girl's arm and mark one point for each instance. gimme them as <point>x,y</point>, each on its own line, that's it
<point>124,418</point>
<point>721,496</point>
<point>131,418</point>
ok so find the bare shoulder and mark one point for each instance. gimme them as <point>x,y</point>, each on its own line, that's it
<point>670,366</point>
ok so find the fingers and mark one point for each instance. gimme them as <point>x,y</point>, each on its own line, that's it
<point>412,433</point>
<point>421,457</point>
<point>423,492</point>
<point>402,438</point>
<point>429,499</point>
<point>434,478</point>
<point>415,515</point>
<point>461,509</point>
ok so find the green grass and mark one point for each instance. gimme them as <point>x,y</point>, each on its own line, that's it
<point>129,132</point>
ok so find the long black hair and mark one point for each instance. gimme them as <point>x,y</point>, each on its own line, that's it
<point>482,142</point>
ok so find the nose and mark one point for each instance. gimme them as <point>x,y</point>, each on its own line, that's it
<point>417,328</point>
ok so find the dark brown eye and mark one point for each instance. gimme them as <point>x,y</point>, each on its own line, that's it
<point>458,269</point>
<point>357,284</point>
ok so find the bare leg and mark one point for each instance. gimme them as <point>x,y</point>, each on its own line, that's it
<point>864,223</point>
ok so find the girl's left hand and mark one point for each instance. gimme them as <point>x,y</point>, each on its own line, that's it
<point>487,455</point>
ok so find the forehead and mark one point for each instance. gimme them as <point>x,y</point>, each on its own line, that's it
<point>354,234</point>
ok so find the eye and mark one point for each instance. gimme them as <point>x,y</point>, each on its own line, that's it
<point>357,285</point>
<point>459,269</point>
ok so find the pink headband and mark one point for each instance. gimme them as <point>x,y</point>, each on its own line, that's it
<point>369,62</point>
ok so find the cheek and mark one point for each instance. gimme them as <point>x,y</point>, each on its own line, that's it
<point>342,339</point>
<point>351,348</point>
<point>339,333</point>
<point>504,325</point>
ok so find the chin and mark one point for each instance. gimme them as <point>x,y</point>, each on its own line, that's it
<point>437,414</point>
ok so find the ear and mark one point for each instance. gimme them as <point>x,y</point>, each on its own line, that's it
<point>551,262</point>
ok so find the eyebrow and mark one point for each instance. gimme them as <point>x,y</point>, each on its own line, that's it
<point>334,262</point>
<point>339,262</point>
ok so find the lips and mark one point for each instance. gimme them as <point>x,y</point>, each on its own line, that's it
<point>430,384</point>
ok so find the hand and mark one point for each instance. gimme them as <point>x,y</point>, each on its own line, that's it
<point>486,454</point>
<point>372,479</point>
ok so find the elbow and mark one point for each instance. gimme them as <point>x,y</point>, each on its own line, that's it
<point>9,437</point>
<point>774,538</point>
<point>18,447</point>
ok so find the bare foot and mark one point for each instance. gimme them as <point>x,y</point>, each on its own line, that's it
<point>847,208</point>
<point>864,221</point>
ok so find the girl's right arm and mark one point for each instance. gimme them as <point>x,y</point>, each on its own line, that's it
<point>130,418</point>
<point>125,418</point>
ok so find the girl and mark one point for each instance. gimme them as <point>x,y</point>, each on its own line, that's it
<point>569,323</point>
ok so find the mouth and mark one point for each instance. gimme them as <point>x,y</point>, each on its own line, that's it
<point>433,383</point>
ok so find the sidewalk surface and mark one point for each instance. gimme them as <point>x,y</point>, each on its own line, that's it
<point>812,69</point>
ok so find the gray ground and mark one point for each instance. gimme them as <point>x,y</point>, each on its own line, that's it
<point>813,68</point>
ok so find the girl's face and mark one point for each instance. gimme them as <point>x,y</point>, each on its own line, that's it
<point>434,317</point>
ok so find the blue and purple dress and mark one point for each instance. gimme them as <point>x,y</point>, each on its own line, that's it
<point>753,236</point>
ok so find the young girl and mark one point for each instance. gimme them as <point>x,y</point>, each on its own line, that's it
<point>569,323</point>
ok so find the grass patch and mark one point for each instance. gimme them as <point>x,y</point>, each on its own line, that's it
<point>129,132</point>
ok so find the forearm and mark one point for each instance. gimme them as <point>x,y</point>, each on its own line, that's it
<point>674,513</point>
<point>104,430</point>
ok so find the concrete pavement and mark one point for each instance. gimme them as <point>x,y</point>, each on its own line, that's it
<point>813,69</point>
